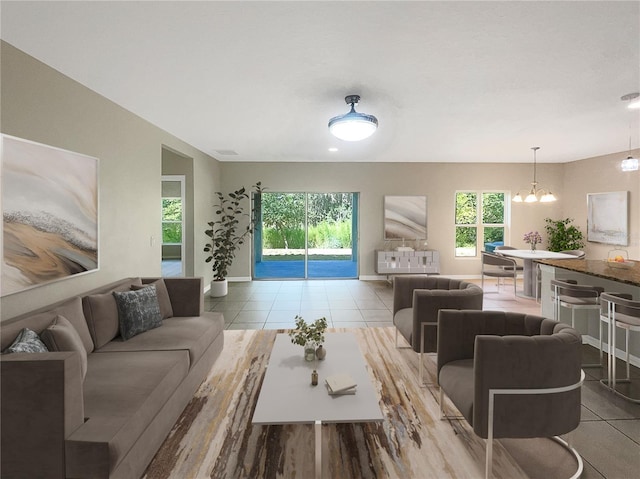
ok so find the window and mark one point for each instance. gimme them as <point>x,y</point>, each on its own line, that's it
<point>480,217</point>
<point>171,220</point>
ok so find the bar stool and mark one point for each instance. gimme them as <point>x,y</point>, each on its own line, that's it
<point>577,297</point>
<point>622,313</point>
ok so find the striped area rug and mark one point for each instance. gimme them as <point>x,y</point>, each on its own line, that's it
<point>214,437</point>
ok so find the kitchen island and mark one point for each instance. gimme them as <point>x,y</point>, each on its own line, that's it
<point>613,278</point>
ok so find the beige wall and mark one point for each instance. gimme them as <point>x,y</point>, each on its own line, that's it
<point>439,181</point>
<point>599,175</point>
<point>42,105</point>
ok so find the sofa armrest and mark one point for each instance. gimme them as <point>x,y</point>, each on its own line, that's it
<point>42,404</point>
<point>187,296</point>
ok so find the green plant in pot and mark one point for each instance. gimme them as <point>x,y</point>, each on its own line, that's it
<point>562,235</point>
<point>226,234</point>
<point>310,336</point>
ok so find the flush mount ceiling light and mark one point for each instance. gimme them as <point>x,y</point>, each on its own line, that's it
<point>633,99</point>
<point>353,126</point>
<point>630,163</point>
<point>534,192</point>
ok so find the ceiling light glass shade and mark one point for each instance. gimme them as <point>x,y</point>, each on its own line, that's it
<point>531,197</point>
<point>634,105</point>
<point>548,198</point>
<point>629,164</point>
<point>353,126</point>
<point>517,198</point>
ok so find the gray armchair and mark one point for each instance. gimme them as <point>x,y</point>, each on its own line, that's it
<point>416,302</point>
<point>511,375</point>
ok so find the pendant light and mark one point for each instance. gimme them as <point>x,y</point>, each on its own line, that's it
<point>534,192</point>
<point>630,163</point>
<point>353,126</point>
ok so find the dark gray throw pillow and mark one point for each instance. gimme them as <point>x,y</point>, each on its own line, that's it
<point>163,296</point>
<point>138,311</point>
<point>27,341</point>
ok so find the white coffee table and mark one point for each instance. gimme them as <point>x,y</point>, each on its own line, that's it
<point>287,396</point>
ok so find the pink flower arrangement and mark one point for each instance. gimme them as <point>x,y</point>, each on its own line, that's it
<point>532,237</point>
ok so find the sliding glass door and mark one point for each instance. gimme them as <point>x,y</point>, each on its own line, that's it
<point>306,235</point>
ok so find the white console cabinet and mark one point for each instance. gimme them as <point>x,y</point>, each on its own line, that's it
<point>408,262</point>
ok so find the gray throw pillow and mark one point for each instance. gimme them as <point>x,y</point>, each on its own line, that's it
<point>163,296</point>
<point>62,336</point>
<point>138,311</point>
<point>27,341</point>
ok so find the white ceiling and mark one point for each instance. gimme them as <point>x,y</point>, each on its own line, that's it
<point>449,81</point>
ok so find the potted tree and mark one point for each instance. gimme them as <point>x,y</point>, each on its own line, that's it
<point>226,234</point>
<point>562,235</point>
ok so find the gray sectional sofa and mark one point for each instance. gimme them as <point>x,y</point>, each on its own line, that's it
<point>102,408</point>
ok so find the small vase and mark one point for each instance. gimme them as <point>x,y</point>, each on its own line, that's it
<point>309,352</point>
<point>533,247</point>
<point>321,353</point>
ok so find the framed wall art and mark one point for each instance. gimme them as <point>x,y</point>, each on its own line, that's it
<point>608,218</point>
<point>405,217</point>
<point>49,214</point>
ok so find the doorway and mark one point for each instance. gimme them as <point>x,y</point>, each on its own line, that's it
<point>173,215</point>
<point>306,236</point>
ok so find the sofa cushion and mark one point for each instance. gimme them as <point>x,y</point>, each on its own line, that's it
<point>138,311</point>
<point>193,334</point>
<point>62,336</point>
<point>39,321</point>
<point>27,341</point>
<point>123,393</point>
<point>163,296</point>
<point>101,313</point>
<point>456,377</point>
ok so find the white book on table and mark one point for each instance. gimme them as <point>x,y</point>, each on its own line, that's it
<point>341,383</point>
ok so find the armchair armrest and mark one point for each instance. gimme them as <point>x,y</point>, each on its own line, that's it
<point>457,331</point>
<point>42,404</point>
<point>403,287</point>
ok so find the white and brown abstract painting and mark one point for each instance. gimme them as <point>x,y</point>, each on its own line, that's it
<point>50,214</point>
<point>405,217</point>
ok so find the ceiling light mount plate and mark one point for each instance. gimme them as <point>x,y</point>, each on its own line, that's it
<point>352,99</point>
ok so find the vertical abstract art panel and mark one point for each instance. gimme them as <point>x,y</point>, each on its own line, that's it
<point>50,214</point>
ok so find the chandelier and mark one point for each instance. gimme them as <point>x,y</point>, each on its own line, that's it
<point>534,192</point>
<point>353,126</point>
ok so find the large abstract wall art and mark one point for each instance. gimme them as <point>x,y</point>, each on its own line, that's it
<point>405,217</point>
<point>50,214</point>
<point>608,218</point>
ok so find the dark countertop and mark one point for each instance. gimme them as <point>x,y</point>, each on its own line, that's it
<point>598,268</point>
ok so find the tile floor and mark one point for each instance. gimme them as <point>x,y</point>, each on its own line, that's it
<point>608,437</point>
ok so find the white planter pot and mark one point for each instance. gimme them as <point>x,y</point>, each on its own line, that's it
<point>219,288</point>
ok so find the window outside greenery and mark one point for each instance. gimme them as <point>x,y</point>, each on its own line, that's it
<point>478,216</point>
<point>171,220</point>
